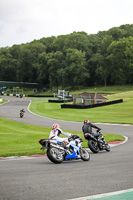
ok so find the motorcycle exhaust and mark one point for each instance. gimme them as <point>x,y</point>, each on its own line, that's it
<point>57,147</point>
<point>86,135</point>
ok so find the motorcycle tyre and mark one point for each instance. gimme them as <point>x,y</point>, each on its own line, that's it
<point>82,157</point>
<point>107,147</point>
<point>52,158</point>
<point>92,148</point>
<point>21,115</point>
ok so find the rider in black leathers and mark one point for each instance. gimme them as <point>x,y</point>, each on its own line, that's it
<point>87,128</point>
<point>22,111</point>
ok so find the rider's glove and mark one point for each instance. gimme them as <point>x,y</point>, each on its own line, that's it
<point>69,139</point>
<point>98,130</point>
<point>75,136</point>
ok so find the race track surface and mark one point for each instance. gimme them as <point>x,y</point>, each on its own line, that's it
<point>38,178</point>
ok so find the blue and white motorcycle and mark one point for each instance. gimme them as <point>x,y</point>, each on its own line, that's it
<point>57,152</point>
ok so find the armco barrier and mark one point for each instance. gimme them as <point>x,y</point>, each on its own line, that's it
<point>78,106</point>
<point>59,101</point>
<point>35,95</point>
<point>14,95</point>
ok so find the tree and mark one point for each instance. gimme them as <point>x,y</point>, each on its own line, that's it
<point>24,71</point>
<point>77,40</point>
<point>42,72</point>
<point>62,77</point>
<point>75,59</point>
<point>48,42</point>
<point>116,33</point>
<point>121,59</point>
<point>102,66</point>
<point>59,43</point>
<point>7,65</point>
<point>55,61</point>
<point>76,71</point>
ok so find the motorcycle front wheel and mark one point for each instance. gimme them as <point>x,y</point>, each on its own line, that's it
<point>21,115</point>
<point>107,147</point>
<point>85,155</point>
<point>55,155</point>
<point>93,146</point>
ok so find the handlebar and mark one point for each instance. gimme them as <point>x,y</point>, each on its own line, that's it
<point>73,137</point>
<point>98,131</point>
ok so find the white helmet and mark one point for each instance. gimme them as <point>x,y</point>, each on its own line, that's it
<point>55,126</point>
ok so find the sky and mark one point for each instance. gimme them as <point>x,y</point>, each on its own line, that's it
<point>22,21</point>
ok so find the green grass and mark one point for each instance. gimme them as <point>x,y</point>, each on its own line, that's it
<point>98,89</point>
<point>3,101</point>
<point>18,139</point>
<point>108,89</point>
<point>116,113</point>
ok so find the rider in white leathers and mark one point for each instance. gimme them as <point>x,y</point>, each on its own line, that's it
<point>55,133</point>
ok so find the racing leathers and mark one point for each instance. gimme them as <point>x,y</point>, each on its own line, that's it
<point>87,128</point>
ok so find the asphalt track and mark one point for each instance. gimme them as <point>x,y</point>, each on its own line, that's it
<point>38,178</point>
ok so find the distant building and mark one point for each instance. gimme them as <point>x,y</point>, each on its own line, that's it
<point>86,98</point>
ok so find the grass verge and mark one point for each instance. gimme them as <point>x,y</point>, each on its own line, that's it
<point>117,113</point>
<point>3,101</point>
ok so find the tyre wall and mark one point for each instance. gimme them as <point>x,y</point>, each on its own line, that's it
<point>91,106</point>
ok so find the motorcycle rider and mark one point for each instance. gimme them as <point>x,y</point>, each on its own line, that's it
<point>55,134</point>
<point>22,111</point>
<point>87,128</point>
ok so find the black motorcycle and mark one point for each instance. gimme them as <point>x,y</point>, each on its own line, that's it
<point>22,113</point>
<point>96,142</point>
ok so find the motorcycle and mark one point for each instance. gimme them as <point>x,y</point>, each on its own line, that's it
<point>22,113</point>
<point>96,142</point>
<point>57,152</point>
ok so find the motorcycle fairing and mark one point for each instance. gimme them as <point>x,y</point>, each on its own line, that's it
<point>75,154</point>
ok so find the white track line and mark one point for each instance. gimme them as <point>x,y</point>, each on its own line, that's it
<point>103,195</point>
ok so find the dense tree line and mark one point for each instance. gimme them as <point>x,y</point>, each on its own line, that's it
<point>72,60</point>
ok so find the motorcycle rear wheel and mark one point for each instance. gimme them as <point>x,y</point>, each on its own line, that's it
<point>85,155</point>
<point>93,146</point>
<point>55,155</point>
